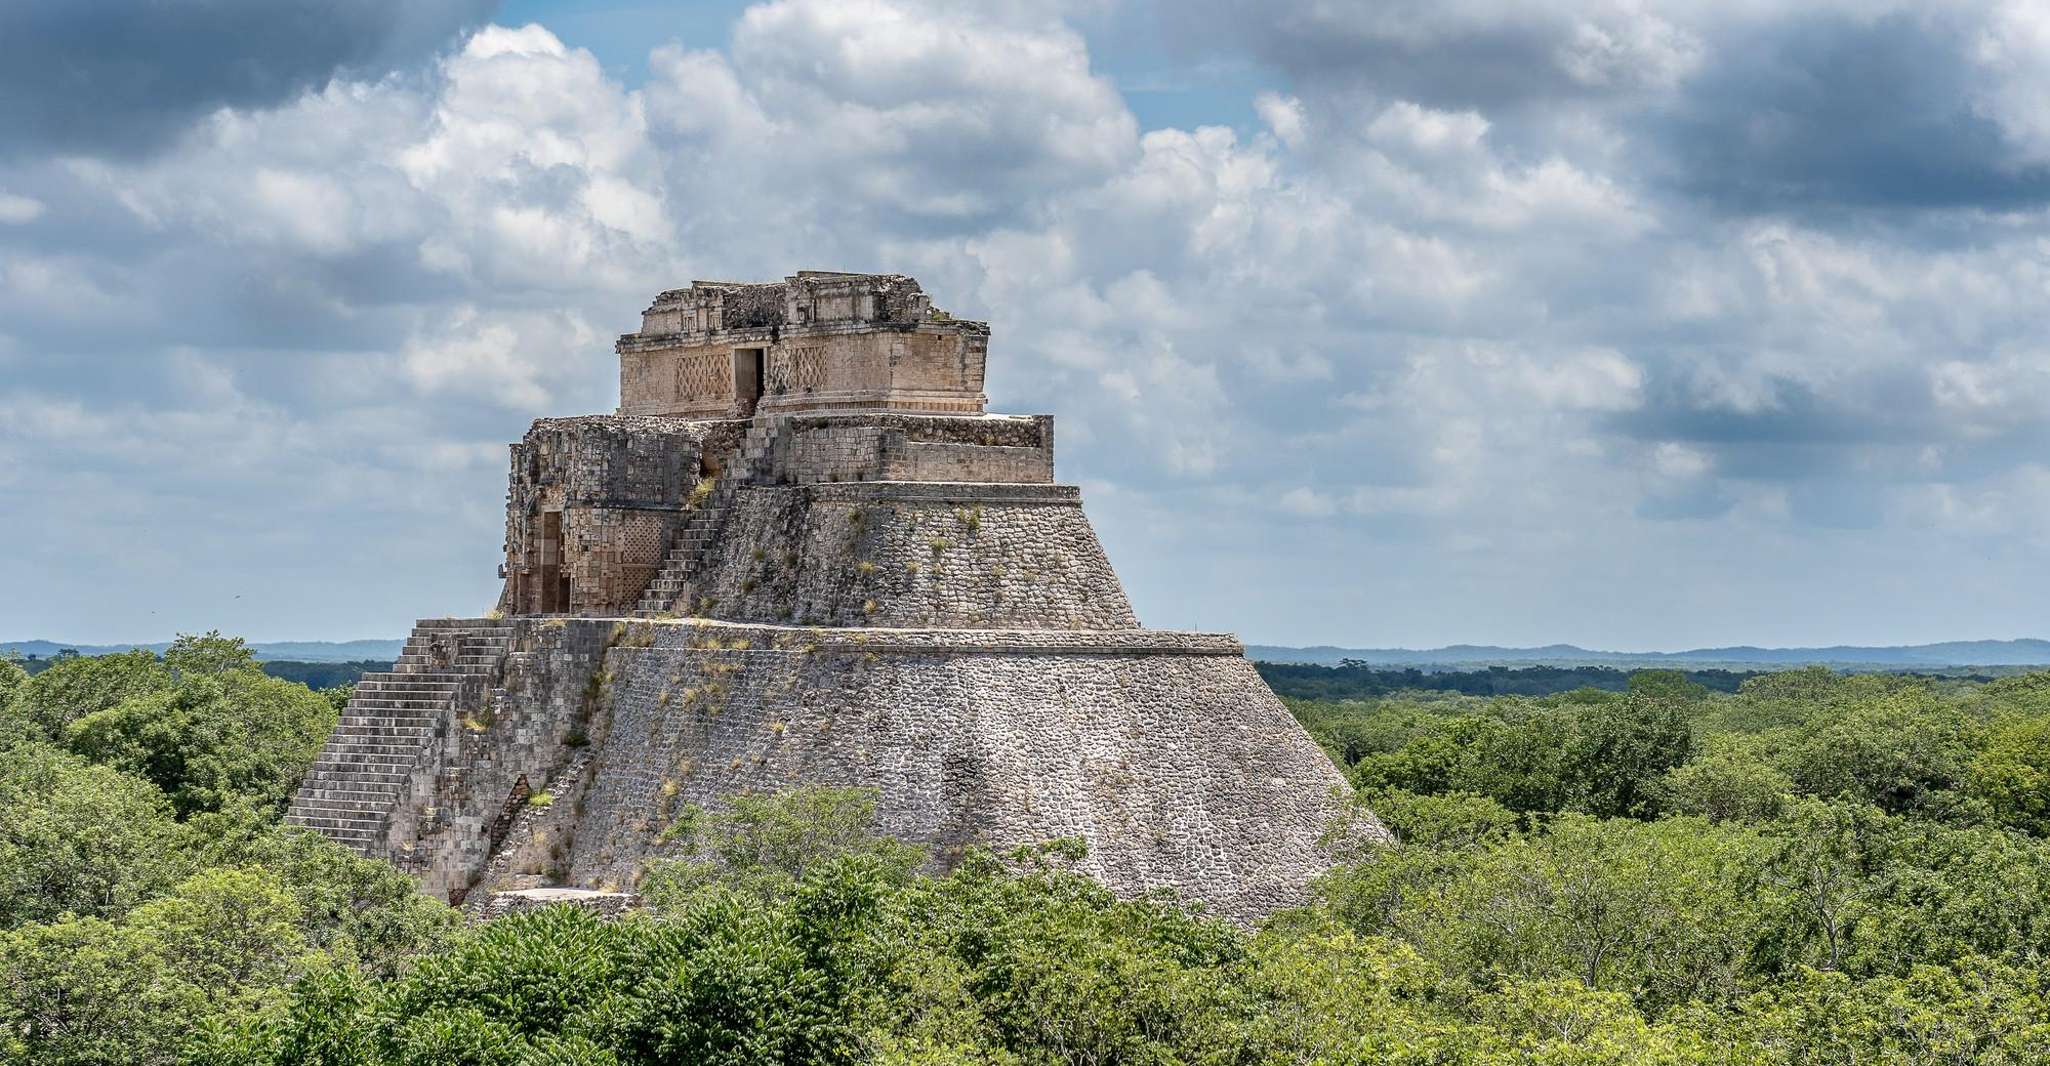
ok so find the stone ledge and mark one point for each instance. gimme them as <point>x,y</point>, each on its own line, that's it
<point>713,635</point>
<point>604,904</point>
<point>941,491</point>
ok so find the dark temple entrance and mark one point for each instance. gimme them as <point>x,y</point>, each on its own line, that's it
<point>747,380</point>
<point>554,590</point>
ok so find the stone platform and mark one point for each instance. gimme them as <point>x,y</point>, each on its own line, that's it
<point>801,553</point>
<point>1163,751</point>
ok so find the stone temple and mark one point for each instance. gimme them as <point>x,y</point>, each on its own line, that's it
<point>802,553</point>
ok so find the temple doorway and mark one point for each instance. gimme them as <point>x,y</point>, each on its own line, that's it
<point>747,380</point>
<point>554,583</point>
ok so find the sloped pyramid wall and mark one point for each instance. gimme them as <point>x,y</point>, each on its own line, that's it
<point>896,599</point>
<point>1164,752</point>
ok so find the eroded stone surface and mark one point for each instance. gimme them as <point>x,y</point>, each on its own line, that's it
<point>1165,753</point>
<point>836,570</point>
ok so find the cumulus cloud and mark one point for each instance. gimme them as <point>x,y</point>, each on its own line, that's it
<point>1750,107</point>
<point>517,356</point>
<point>1871,108</point>
<point>1525,298</point>
<point>904,116</point>
<point>1472,52</point>
<point>123,77</point>
<point>19,210</point>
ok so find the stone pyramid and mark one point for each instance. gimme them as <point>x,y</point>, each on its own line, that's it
<point>802,553</point>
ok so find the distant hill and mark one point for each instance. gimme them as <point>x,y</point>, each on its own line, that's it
<point>303,651</point>
<point>2027,652</point>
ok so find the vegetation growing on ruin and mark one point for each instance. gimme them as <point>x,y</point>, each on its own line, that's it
<point>1814,869</point>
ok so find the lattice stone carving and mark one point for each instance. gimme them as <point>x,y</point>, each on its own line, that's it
<point>705,374</point>
<point>643,538</point>
<point>797,369</point>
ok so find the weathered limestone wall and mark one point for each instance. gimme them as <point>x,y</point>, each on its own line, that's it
<point>915,369</point>
<point>1163,751</point>
<point>824,340</point>
<point>596,504</point>
<point>921,461</point>
<point>810,449</point>
<point>592,503</point>
<point>543,706</point>
<point>892,594</point>
<point>907,554</point>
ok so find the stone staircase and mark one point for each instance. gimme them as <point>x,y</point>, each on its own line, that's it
<point>363,773</point>
<point>687,552</point>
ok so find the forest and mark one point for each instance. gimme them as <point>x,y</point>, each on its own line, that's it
<point>1352,679</point>
<point>327,674</point>
<point>1811,869</point>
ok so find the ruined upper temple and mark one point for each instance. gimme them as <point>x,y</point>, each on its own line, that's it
<point>814,341</point>
<point>802,553</point>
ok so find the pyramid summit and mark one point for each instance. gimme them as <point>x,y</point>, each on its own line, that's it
<point>802,553</point>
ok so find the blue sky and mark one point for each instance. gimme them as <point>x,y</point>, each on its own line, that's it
<point>1638,324</point>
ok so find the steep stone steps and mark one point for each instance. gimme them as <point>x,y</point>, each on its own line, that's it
<point>687,551</point>
<point>689,544</point>
<point>367,765</point>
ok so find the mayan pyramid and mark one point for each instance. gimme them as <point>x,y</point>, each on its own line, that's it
<point>802,553</point>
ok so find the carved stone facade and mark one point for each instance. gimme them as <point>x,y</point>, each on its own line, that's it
<point>865,581</point>
<point>593,505</point>
<point>814,341</point>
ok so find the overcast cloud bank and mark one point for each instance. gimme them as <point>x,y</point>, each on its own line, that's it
<point>1631,324</point>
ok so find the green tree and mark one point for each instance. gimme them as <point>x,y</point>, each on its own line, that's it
<point>1667,685</point>
<point>1587,751</point>
<point>208,655</point>
<point>1618,749</point>
<point>1519,761</point>
<point>1731,782</point>
<point>75,687</point>
<point>213,738</point>
<point>728,980</point>
<point>231,933</point>
<point>83,991</point>
<point>78,838</point>
<point>763,844</point>
<point>2012,775</point>
<point>1945,894</point>
<point>11,677</point>
<point>1452,820</point>
<point>1665,911</point>
<point>1896,751</point>
<point>1023,956</point>
<point>1317,992</point>
<point>1981,1013</point>
<point>1566,1023</point>
<point>1825,856</point>
<point>360,912</point>
<point>15,727</point>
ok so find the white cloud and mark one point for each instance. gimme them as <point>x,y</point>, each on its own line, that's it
<point>1283,115</point>
<point>1680,462</point>
<point>1439,322</point>
<point>894,111</point>
<point>1307,503</point>
<point>19,210</point>
<point>2012,49</point>
<point>518,356</point>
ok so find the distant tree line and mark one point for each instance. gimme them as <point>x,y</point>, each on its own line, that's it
<point>1353,679</point>
<point>310,674</point>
